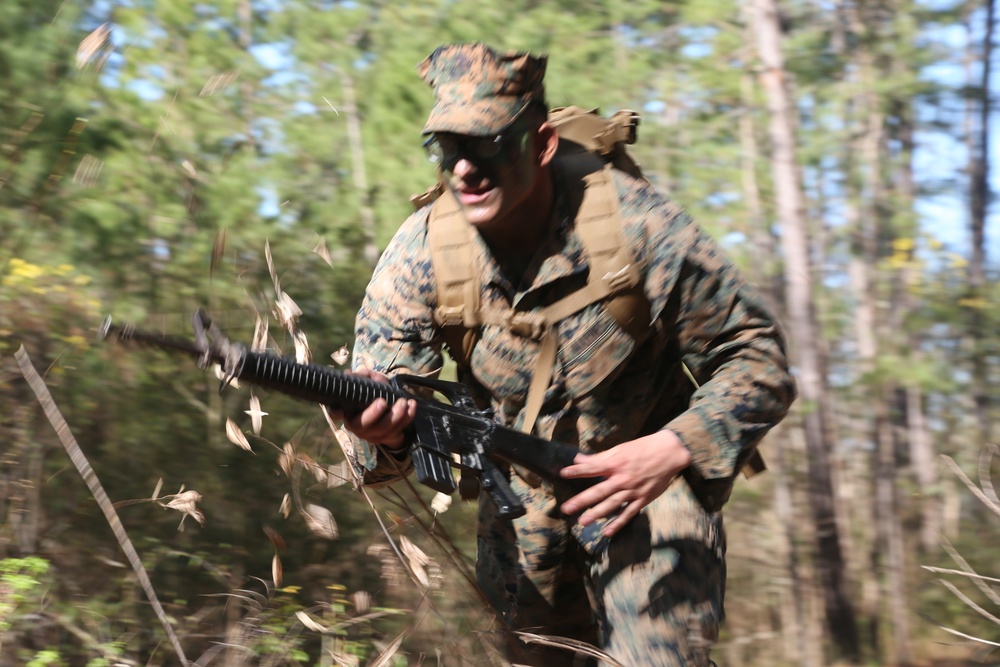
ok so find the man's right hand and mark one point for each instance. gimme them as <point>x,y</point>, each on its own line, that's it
<point>381,423</point>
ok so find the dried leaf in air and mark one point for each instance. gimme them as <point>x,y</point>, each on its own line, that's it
<point>302,353</point>
<point>276,571</point>
<point>286,459</point>
<point>362,602</point>
<point>270,267</point>
<point>386,656</point>
<point>259,343</point>
<point>88,172</point>
<point>236,436</point>
<point>218,250</point>
<point>323,251</point>
<point>417,559</point>
<point>320,521</point>
<point>219,82</point>
<point>277,541</point>
<point>338,474</point>
<point>186,502</point>
<point>221,376</point>
<point>93,44</point>
<point>256,416</point>
<point>286,311</point>
<point>156,491</point>
<point>341,356</point>
<point>441,502</point>
<point>307,621</point>
<point>286,506</point>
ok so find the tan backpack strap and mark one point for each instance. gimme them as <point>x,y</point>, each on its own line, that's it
<point>613,276</point>
<point>453,257</point>
<point>613,269</point>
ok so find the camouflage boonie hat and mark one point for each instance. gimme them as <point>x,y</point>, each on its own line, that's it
<point>479,91</point>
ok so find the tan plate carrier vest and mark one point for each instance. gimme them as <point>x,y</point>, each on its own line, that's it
<point>613,274</point>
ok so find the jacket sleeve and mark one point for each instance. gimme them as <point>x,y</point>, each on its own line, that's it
<point>395,331</point>
<point>730,342</point>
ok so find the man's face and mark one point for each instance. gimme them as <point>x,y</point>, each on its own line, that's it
<point>490,176</point>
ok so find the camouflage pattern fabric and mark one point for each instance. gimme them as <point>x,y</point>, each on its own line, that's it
<point>479,91</point>
<point>656,597</point>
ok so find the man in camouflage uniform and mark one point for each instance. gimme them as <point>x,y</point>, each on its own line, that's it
<point>668,452</point>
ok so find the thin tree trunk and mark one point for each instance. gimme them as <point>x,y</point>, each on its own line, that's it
<point>979,198</point>
<point>358,171</point>
<point>840,615</point>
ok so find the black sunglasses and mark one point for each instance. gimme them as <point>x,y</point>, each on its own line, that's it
<point>447,149</point>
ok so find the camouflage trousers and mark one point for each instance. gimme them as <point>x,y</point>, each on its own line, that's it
<point>654,599</point>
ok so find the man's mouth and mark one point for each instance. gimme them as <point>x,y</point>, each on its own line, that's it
<point>472,196</point>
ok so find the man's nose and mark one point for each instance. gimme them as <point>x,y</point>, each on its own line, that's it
<point>463,167</point>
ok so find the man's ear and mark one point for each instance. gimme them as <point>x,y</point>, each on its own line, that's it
<point>547,143</point>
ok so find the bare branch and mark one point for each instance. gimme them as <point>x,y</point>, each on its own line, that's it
<point>976,491</point>
<point>79,460</point>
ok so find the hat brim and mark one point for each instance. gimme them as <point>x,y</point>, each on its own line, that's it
<point>483,118</point>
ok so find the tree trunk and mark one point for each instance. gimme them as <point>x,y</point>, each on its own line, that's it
<point>840,615</point>
<point>358,171</point>
<point>979,155</point>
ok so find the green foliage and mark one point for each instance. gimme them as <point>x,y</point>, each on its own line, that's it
<point>18,578</point>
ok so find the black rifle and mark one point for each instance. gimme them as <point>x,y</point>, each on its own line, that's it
<point>443,435</point>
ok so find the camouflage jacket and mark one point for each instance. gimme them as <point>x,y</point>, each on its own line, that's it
<point>604,391</point>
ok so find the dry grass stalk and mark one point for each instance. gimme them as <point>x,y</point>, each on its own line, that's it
<point>569,645</point>
<point>987,495</point>
<point>83,466</point>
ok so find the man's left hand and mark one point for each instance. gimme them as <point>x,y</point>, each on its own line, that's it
<point>635,473</point>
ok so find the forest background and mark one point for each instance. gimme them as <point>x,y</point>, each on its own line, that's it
<point>155,157</point>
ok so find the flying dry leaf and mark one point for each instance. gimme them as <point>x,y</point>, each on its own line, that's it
<point>259,343</point>
<point>385,657</point>
<point>337,474</point>
<point>92,44</point>
<point>302,353</point>
<point>270,267</point>
<point>186,502</point>
<point>417,560</point>
<point>221,376</point>
<point>277,541</point>
<point>189,169</point>
<point>323,251</point>
<point>218,250</point>
<point>255,413</point>
<point>286,506</point>
<point>341,356</point>
<point>307,621</point>
<point>441,502</point>
<point>276,571</point>
<point>286,311</point>
<point>320,521</point>
<point>286,459</point>
<point>315,469</point>
<point>346,442</point>
<point>156,491</point>
<point>219,82</point>
<point>88,171</point>
<point>236,436</point>
<point>362,602</point>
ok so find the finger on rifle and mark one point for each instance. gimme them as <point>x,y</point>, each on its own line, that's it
<point>584,465</point>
